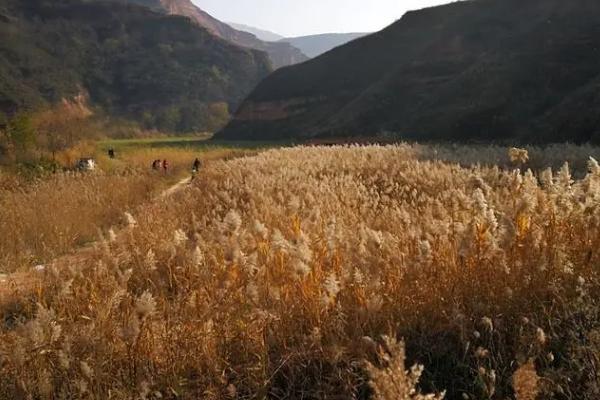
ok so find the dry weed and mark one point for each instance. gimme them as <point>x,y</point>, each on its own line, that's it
<point>264,279</point>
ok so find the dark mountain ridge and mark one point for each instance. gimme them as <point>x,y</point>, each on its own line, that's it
<point>164,71</point>
<point>482,70</point>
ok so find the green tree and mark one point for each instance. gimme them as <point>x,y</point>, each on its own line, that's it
<point>168,120</point>
<point>148,120</point>
<point>218,116</point>
<point>21,134</point>
<point>4,138</point>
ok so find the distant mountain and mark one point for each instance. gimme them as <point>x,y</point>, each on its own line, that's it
<point>315,45</point>
<point>312,45</point>
<point>164,71</point>
<point>281,54</point>
<point>263,35</point>
<point>482,70</point>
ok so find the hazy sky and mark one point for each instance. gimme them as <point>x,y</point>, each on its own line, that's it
<point>305,17</point>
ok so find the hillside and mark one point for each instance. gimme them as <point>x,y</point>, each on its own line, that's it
<point>164,71</point>
<point>281,54</point>
<point>262,34</point>
<point>315,45</point>
<point>483,70</point>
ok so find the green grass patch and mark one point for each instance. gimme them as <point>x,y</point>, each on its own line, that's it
<point>186,142</point>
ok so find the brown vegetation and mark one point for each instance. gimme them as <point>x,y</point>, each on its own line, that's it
<point>292,273</point>
<point>50,215</point>
<point>62,212</point>
<point>28,137</point>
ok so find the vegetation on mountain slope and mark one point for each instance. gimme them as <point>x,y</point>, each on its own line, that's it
<point>281,54</point>
<point>164,71</point>
<point>483,70</point>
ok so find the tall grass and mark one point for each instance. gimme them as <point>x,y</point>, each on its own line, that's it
<point>295,273</point>
<point>54,214</point>
<point>59,213</point>
<point>539,158</point>
<point>180,159</point>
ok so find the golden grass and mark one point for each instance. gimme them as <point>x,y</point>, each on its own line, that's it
<point>293,273</point>
<point>526,382</point>
<point>62,212</point>
<point>56,214</point>
<point>180,159</point>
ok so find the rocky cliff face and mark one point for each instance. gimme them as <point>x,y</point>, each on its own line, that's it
<point>482,70</point>
<point>281,54</point>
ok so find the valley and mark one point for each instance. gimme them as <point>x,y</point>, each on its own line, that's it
<point>194,209</point>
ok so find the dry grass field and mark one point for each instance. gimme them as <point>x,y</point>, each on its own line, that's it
<point>329,273</point>
<point>52,215</point>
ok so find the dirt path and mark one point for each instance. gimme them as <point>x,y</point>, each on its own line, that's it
<point>175,188</point>
<point>15,284</point>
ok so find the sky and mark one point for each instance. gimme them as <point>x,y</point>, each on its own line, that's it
<point>306,17</point>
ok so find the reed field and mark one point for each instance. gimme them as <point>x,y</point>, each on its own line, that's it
<point>397,272</point>
<point>51,214</point>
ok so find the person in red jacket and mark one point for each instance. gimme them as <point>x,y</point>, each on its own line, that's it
<point>165,165</point>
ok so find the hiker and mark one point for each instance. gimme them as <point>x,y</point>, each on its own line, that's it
<point>196,167</point>
<point>111,153</point>
<point>165,165</point>
<point>155,165</point>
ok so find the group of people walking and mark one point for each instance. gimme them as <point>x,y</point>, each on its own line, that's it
<point>157,165</point>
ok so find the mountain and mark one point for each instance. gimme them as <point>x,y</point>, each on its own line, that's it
<point>315,45</point>
<point>165,71</point>
<point>281,54</point>
<point>312,45</point>
<point>481,70</point>
<point>266,36</point>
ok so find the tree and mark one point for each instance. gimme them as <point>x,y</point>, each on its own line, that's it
<point>197,116</point>
<point>4,138</point>
<point>218,116</point>
<point>60,127</point>
<point>21,134</point>
<point>168,120</point>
